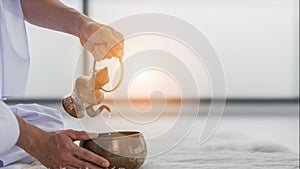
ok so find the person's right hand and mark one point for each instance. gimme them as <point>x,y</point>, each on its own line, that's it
<point>101,40</point>
<point>57,150</point>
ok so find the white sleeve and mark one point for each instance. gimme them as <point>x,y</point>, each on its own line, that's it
<point>9,128</point>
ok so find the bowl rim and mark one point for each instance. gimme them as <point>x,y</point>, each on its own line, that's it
<point>121,135</point>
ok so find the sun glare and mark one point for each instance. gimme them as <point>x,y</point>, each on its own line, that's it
<point>153,83</point>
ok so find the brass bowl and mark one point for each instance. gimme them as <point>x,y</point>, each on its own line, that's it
<point>124,149</point>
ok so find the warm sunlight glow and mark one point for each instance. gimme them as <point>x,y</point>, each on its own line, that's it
<point>156,84</point>
<point>164,80</point>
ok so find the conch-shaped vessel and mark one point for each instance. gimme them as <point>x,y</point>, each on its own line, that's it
<point>88,93</point>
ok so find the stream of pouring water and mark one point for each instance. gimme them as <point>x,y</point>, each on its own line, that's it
<point>113,89</point>
<point>109,124</point>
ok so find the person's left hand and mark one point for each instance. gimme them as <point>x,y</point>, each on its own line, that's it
<point>56,150</point>
<point>102,41</point>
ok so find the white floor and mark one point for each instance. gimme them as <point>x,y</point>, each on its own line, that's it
<point>271,129</point>
<point>254,142</point>
<point>275,123</point>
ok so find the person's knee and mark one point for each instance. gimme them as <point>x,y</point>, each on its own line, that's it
<point>46,118</point>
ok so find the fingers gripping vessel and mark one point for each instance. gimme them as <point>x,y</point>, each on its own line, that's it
<point>88,93</point>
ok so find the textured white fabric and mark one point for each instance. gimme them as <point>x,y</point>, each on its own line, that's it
<point>225,151</point>
<point>43,117</point>
<point>9,128</point>
<point>14,64</point>
<point>14,55</point>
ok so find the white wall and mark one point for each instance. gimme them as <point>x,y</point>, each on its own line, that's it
<point>257,42</point>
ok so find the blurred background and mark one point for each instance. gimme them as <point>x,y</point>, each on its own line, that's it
<point>257,42</point>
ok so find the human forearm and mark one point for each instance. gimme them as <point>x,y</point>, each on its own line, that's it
<point>54,15</point>
<point>101,40</point>
<point>29,136</point>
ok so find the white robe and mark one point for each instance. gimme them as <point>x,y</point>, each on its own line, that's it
<point>14,65</point>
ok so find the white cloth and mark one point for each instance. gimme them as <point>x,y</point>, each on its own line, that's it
<point>14,53</point>
<point>14,65</point>
<point>43,117</point>
<point>9,128</point>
